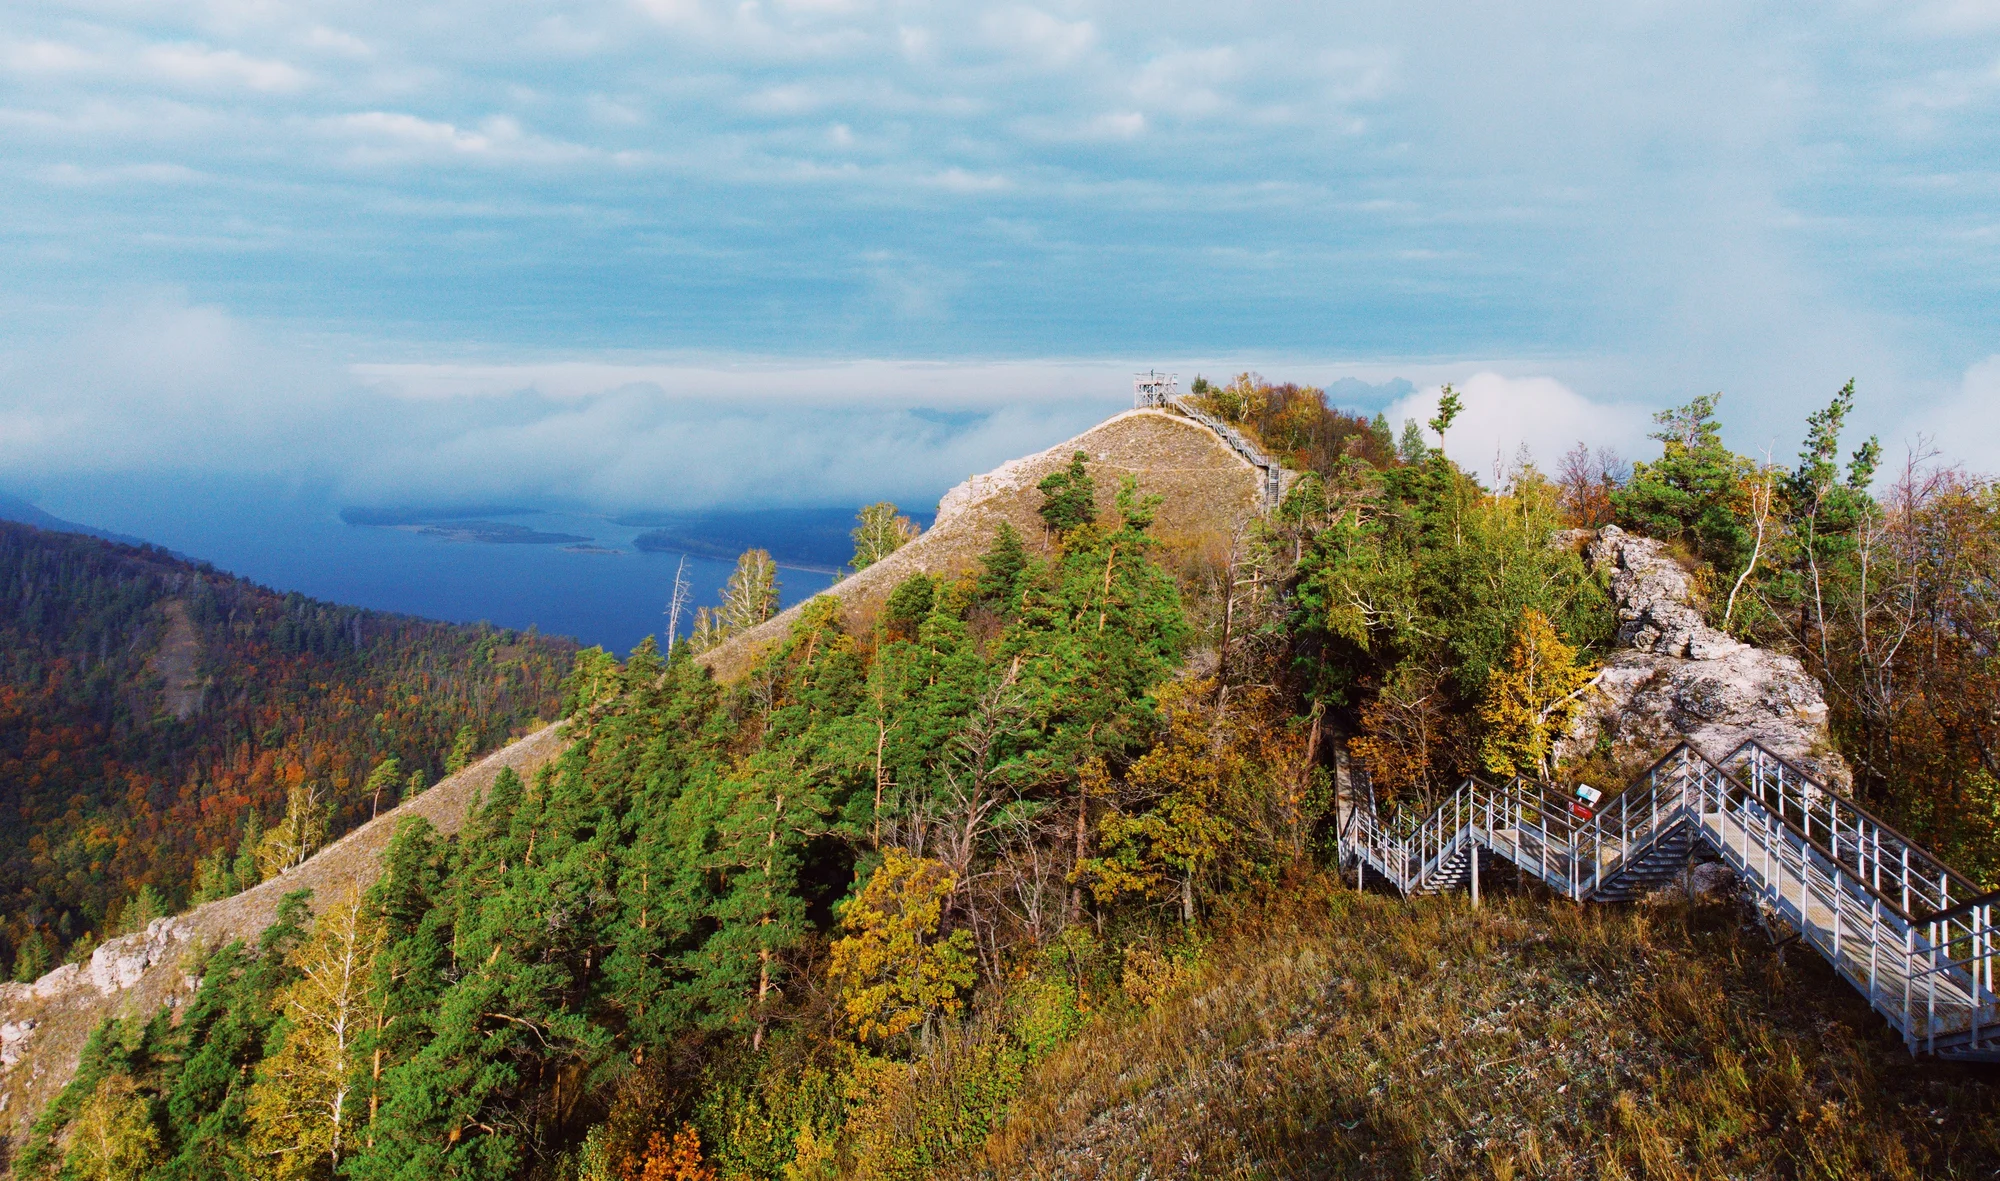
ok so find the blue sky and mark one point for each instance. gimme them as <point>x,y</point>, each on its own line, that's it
<point>673,251</point>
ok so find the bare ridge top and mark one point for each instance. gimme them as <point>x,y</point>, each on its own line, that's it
<point>1210,492</point>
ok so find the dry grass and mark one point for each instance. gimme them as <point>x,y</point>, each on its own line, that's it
<point>1337,1034</point>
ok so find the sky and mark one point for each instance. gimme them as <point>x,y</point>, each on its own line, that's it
<point>656,253</point>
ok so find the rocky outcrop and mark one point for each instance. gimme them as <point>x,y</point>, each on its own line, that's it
<point>1675,678</point>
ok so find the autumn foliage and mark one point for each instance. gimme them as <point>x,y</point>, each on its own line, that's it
<point>669,1158</point>
<point>113,786</point>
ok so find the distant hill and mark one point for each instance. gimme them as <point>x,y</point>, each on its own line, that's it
<point>150,705</point>
<point>13,508</point>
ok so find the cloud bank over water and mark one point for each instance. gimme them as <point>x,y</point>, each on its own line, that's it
<point>164,387</point>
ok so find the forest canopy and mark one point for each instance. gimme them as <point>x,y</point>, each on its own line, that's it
<point>130,797</point>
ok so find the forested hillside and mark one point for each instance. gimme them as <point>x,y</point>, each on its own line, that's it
<point>1030,870</point>
<point>157,714</point>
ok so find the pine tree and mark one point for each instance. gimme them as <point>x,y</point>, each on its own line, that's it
<point>774,808</point>
<point>243,871</point>
<point>212,879</point>
<point>910,603</point>
<point>33,958</point>
<point>463,746</point>
<point>880,533</point>
<point>1531,700</point>
<point>1001,567</point>
<point>1449,406</point>
<point>1411,446</point>
<point>145,906</point>
<point>386,777</point>
<point>222,1035</point>
<point>1696,493</point>
<point>1069,497</point>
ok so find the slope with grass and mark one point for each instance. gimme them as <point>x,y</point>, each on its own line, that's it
<point>1214,494</point>
<point>1210,494</point>
<point>1330,1033</point>
<point>1011,857</point>
<point>44,1025</point>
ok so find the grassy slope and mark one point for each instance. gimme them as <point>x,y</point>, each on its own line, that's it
<point>1338,1034</point>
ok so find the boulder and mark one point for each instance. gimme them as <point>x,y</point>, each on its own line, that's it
<point>121,963</point>
<point>1675,678</point>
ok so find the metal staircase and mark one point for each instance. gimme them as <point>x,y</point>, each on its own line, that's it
<point>1162,391</point>
<point>1273,472</point>
<point>1906,931</point>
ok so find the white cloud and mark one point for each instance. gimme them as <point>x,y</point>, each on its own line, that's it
<point>332,40</point>
<point>1049,40</point>
<point>1965,427</point>
<point>45,57</point>
<point>1687,198</point>
<point>1501,414</point>
<point>199,65</point>
<point>164,386</point>
<point>391,136</point>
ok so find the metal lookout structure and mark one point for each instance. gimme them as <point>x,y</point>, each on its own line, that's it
<point>1905,930</point>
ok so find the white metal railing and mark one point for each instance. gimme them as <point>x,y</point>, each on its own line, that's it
<point>1913,936</point>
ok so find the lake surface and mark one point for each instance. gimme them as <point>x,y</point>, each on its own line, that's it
<point>292,538</point>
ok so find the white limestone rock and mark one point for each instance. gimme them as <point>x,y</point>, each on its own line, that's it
<point>122,962</point>
<point>14,1042</point>
<point>1677,678</point>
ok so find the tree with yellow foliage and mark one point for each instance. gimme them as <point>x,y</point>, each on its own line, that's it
<point>892,970</point>
<point>304,1102</point>
<point>299,835</point>
<point>1168,845</point>
<point>114,1137</point>
<point>675,1158</point>
<point>1531,699</point>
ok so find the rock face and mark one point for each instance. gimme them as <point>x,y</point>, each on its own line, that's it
<point>1676,678</point>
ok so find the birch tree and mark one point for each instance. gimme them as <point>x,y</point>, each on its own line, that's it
<point>303,1104</point>
<point>881,532</point>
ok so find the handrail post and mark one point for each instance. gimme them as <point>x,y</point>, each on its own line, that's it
<point>1839,905</point>
<point>1930,991</point>
<point>1909,968</point>
<point>1874,938</point>
<point>1473,851</point>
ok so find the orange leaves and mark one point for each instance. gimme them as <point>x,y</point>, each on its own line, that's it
<point>676,1158</point>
